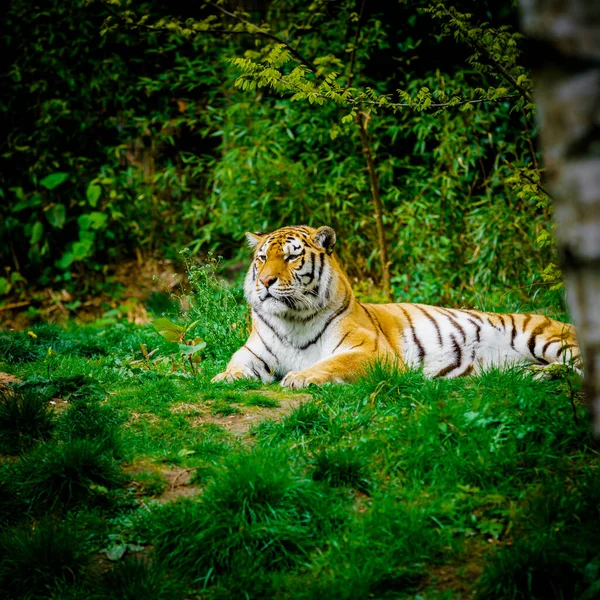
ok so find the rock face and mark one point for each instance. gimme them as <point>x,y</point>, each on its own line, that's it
<point>565,48</point>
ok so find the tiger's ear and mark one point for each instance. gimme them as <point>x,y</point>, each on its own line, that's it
<point>325,238</point>
<point>254,239</point>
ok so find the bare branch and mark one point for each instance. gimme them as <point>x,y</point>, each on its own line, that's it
<point>354,43</point>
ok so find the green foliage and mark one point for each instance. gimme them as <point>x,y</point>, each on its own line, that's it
<point>25,418</point>
<point>215,311</point>
<point>189,349</point>
<point>34,560</point>
<point>157,151</point>
<point>81,175</point>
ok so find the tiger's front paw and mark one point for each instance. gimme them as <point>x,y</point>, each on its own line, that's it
<point>233,373</point>
<point>302,379</point>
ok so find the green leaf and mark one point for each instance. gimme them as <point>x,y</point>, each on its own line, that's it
<point>185,349</point>
<point>31,202</point>
<point>54,180</point>
<point>57,215</point>
<point>169,330</point>
<point>65,261</point>
<point>98,220</point>
<point>94,220</point>
<point>36,233</point>
<point>192,325</point>
<point>82,249</point>
<point>4,286</point>
<point>116,552</point>
<point>93,194</point>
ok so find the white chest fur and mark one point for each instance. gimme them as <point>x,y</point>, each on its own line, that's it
<point>293,346</point>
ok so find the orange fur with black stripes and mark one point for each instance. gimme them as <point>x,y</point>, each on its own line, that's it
<point>307,326</point>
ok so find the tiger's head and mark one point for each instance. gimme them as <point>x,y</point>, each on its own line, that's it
<point>293,273</point>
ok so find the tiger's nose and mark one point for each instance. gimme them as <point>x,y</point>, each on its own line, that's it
<point>268,281</point>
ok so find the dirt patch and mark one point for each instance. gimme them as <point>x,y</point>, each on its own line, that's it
<point>183,408</point>
<point>239,424</point>
<point>460,577</point>
<point>180,485</point>
<point>6,379</point>
<point>167,483</point>
<point>362,502</point>
<point>148,416</point>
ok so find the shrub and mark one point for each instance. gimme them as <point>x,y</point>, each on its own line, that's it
<point>221,315</point>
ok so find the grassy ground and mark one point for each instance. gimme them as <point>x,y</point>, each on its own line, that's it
<point>123,477</point>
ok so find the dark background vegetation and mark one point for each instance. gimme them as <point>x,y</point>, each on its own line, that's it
<point>132,141</point>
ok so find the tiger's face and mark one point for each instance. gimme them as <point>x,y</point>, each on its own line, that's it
<point>292,271</point>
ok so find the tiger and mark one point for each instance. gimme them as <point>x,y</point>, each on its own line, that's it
<point>309,328</point>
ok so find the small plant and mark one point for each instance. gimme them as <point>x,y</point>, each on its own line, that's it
<point>25,419</point>
<point>33,560</point>
<point>77,471</point>
<point>189,349</point>
<point>218,308</point>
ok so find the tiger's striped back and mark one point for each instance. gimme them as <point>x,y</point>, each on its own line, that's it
<point>448,342</point>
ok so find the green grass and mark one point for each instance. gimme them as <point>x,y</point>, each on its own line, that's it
<point>25,418</point>
<point>133,579</point>
<point>36,559</point>
<point>68,474</point>
<point>394,487</point>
